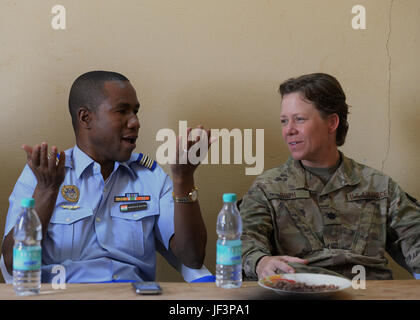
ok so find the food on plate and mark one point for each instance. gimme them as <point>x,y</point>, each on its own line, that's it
<point>278,282</point>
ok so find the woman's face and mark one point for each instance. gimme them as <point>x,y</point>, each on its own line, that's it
<point>310,137</point>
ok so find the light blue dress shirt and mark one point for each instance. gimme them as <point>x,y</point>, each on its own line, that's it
<point>96,240</point>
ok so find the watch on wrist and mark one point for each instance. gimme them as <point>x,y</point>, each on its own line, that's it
<point>191,197</point>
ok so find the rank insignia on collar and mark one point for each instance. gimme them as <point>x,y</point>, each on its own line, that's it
<point>145,161</point>
<point>133,207</point>
<point>70,193</point>
<point>130,197</point>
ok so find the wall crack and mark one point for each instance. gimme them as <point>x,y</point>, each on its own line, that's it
<point>388,53</point>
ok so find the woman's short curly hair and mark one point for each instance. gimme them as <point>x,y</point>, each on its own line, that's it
<point>325,92</point>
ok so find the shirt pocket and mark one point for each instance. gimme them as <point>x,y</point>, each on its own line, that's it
<point>363,231</point>
<point>295,236</point>
<point>359,230</point>
<point>370,226</point>
<point>133,231</point>
<point>61,230</point>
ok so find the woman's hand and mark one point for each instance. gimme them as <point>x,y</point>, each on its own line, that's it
<point>271,265</point>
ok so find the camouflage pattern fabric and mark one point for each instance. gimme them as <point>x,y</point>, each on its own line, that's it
<point>351,220</point>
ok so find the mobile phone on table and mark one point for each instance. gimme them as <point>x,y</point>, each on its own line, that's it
<point>147,287</point>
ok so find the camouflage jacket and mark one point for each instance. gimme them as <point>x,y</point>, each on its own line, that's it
<point>351,220</point>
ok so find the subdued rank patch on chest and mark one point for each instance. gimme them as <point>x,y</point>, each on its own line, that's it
<point>331,215</point>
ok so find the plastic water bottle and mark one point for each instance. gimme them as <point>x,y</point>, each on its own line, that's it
<point>229,245</point>
<point>27,250</point>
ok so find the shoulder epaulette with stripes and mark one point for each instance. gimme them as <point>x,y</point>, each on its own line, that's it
<point>145,161</point>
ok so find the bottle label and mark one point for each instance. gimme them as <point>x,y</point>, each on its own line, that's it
<point>27,258</point>
<point>229,253</point>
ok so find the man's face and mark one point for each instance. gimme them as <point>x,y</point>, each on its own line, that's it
<point>114,125</point>
<point>305,132</point>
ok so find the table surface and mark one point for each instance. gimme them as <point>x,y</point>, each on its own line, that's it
<point>250,290</point>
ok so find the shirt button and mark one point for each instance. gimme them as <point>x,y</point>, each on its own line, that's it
<point>98,219</point>
<point>68,220</point>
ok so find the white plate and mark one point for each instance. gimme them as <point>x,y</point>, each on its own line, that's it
<point>309,279</point>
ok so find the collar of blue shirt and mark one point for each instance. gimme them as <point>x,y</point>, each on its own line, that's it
<point>79,160</point>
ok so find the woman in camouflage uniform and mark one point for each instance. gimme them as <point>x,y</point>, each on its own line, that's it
<point>322,212</point>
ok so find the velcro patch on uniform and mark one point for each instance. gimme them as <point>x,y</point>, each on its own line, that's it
<point>297,194</point>
<point>367,195</point>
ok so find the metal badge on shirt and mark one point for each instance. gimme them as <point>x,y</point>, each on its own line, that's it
<point>69,207</point>
<point>70,193</point>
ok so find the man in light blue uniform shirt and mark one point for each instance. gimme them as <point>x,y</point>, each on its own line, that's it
<point>104,210</point>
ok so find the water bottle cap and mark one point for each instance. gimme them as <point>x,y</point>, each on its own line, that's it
<point>229,197</point>
<point>27,202</point>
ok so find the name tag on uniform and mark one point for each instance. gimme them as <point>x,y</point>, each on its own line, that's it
<point>139,206</point>
<point>367,195</point>
<point>297,194</point>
